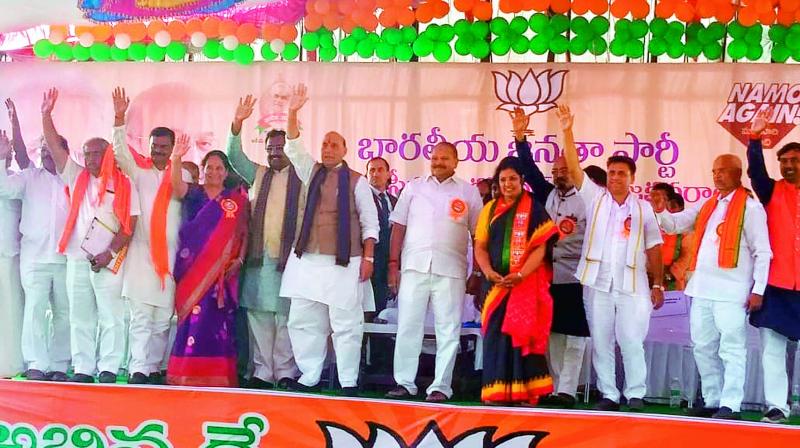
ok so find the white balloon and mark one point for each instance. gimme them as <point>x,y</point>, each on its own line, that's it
<point>162,38</point>
<point>57,36</point>
<point>122,41</point>
<point>230,43</point>
<point>277,46</point>
<point>198,39</point>
<point>86,39</point>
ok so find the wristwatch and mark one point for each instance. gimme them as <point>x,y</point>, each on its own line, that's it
<point>657,287</point>
<point>369,259</point>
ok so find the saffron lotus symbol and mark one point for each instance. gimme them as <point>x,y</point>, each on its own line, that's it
<point>339,436</point>
<point>533,93</point>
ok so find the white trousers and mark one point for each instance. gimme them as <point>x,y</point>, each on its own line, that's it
<point>719,336</point>
<point>625,319</point>
<point>446,297</point>
<point>12,302</point>
<point>96,311</point>
<point>45,286</point>
<point>565,356</point>
<point>773,361</point>
<point>310,325</point>
<point>269,341</point>
<point>149,334</point>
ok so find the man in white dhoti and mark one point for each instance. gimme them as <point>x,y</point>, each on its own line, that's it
<point>276,198</point>
<point>148,284</point>
<point>43,270</point>
<point>332,260</point>
<point>101,218</point>
<point>730,266</point>
<point>432,224</point>
<point>622,240</point>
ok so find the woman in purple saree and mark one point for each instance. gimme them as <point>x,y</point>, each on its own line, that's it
<point>211,248</point>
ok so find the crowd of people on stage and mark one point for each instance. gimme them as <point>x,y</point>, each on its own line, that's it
<point>310,250</point>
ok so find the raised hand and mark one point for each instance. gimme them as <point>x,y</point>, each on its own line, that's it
<point>519,122</point>
<point>49,101</point>
<point>121,102</point>
<point>565,117</point>
<point>5,145</point>
<point>244,109</point>
<point>182,145</point>
<point>12,111</point>
<point>760,122</point>
<point>298,98</point>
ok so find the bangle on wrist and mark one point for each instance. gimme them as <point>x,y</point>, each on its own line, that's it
<point>369,259</point>
<point>657,287</point>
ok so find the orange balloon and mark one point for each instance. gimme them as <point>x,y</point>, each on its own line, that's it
<point>102,32</point>
<point>768,18</point>
<point>580,7</point>
<point>725,12</point>
<point>402,3</point>
<point>120,28</point>
<point>665,9</point>
<point>370,22</point>
<point>619,9</point>
<point>346,6</point>
<point>541,5</point>
<point>706,8</point>
<point>312,22</point>
<point>82,29</point>
<point>684,12</point>
<point>387,19</point>
<point>797,16</point>
<point>424,13</point>
<point>640,9</point>
<point>483,10</point>
<point>348,24</point>
<point>137,31</point>
<point>385,4</point>
<point>322,7</point>
<point>177,30</point>
<point>598,7</point>
<point>406,17</point>
<point>288,33</point>
<point>154,27</point>
<point>228,28</point>
<point>247,33</point>
<point>194,25</point>
<point>62,29</point>
<point>270,31</point>
<point>762,6</point>
<point>464,5</point>
<point>748,16</point>
<point>332,21</point>
<point>211,27</point>
<point>789,5</point>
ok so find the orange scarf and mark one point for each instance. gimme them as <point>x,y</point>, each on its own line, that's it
<point>668,249</point>
<point>159,252</point>
<point>122,197</point>
<point>729,231</point>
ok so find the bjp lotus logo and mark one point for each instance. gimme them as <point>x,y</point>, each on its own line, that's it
<point>339,436</point>
<point>533,93</point>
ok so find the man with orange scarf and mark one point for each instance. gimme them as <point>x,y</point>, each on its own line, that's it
<point>148,285</point>
<point>729,265</point>
<point>100,196</point>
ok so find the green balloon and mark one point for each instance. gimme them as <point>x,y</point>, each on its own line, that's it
<point>374,37</point>
<point>499,26</point>
<point>348,45</point>
<point>521,45</point>
<point>617,47</point>
<point>404,52</point>
<point>267,53</point>
<point>326,40</point>
<point>737,49</point>
<point>81,53</point>
<point>290,52</point>
<point>446,33</point>
<point>538,22</point>
<point>623,35</point>
<point>156,53</point>
<point>736,30</point>
<point>100,52</point>
<point>704,37</point>
<point>63,51</point>
<point>540,44</point>
<point>580,25</point>
<point>578,46</point>
<point>559,44</point>
<point>693,48</point>
<point>599,25</point>
<point>392,36</point>
<point>384,51</point>
<point>177,51</point>
<point>422,47</point>
<point>322,31</point>
<point>480,49</point>
<point>778,33</point>
<point>754,52</point>
<point>780,53</point>
<point>559,23</point>
<point>432,32</point>
<point>243,54</point>
<point>211,49</point>
<point>674,50</point>
<point>796,55</point>
<point>693,29</point>
<point>659,27</point>
<point>138,51</point>
<point>481,29</point>
<point>598,46</point>
<point>712,51</point>
<point>674,34</point>
<point>359,33</point>
<point>463,47</point>
<point>622,24</point>
<point>657,47</point>
<point>463,27</point>
<point>365,49</point>
<point>676,27</point>
<point>225,54</point>
<point>634,49</point>
<point>518,25</point>
<point>118,54</point>
<point>753,35</point>
<point>716,30</point>
<point>793,41</point>
<point>409,34</point>
<point>310,41</point>
<point>43,48</point>
<point>501,46</point>
<point>639,28</point>
<point>442,52</point>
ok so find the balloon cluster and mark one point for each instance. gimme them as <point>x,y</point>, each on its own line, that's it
<point>472,38</point>
<point>638,9</point>
<point>549,33</point>
<point>479,9</point>
<point>321,40</point>
<point>509,35</point>
<point>391,43</point>
<point>785,42</point>
<point>704,39</point>
<point>588,35</point>
<point>666,37</point>
<point>746,41</point>
<point>629,38</point>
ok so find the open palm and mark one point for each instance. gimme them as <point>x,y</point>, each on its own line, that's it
<point>181,146</point>
<point>245,108</point>
<point>121,101</point>
<point>49,100</point>
<point>565,117</point>
<point>299,97</point>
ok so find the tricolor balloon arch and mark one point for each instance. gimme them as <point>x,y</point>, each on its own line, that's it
<point>466,30</point>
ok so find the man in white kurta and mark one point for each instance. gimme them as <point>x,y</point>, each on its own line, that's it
<point>151,298</point>
<point>12,298</point>
<point>434,219</point>
<point>722,296</point>
<point>44,210</point>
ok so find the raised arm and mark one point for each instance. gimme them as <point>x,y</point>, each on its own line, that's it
<point>244,166</point>
<point>57,150</point>
<point>179,186</point>
<point>11,186</point>
<point>300,158</point>
<point>296,102</point>
<point>566,119</point>
<point>20,151</point>
<point>762,184</point>
<point>533,175</point>
<point>119,138</point>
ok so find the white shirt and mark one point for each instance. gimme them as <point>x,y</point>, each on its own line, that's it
<point>44,210</point>
<point>709,281</point>
<point>89,210</point>
<point>612,264</point>
<point>9,226</point>
<point>378,194</point>
<point>439,219</point>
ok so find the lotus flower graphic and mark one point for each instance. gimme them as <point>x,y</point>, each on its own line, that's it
<point>534,93</point>
<point>339,436</point>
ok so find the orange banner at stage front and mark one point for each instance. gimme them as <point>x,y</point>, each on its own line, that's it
<point>96,416</point>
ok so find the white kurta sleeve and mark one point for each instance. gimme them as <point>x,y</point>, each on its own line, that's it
<point>590,191</point>
<point>122,155</point>
<point>400,211</point>
<point>652,233</point>
<point>756,234</point>
<point>681,222</point>
<point>367,213</point>
<point>300,158</point>
<point>474,205</point>
<point>12,185</point>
